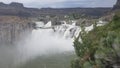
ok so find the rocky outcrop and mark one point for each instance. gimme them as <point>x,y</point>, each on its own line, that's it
<point>108,17</point>
<point>13,29</point>
<point>117,5</point>
<point>17,5</point>
<point>2,4</point>
<point>11,5</point>
<point>13,9</point>
<point>85,22</point>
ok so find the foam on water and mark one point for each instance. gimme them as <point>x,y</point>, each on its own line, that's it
<point>45,41</point>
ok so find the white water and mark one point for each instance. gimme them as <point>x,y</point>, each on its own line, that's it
<point>46,42</point>
<point>42,42</point>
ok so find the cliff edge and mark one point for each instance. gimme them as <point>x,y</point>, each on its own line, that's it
<point>117,5</point>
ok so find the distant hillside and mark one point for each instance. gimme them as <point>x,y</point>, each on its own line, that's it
<point>95,12</point>
<point>17,9</point>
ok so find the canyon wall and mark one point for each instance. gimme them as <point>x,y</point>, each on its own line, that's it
<point>18,9</point>
<point>13,29</point>
<point>117,5</point>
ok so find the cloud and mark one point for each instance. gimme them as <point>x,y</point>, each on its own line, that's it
<point>32,1</point>
<point>64,3</point>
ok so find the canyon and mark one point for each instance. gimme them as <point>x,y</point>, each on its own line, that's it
<point>21,41</point>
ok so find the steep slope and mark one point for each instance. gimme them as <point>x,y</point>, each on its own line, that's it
<point>117,5</point>
<point>13,28</point>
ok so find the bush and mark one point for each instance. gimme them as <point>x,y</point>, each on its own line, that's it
<point>99,48</point>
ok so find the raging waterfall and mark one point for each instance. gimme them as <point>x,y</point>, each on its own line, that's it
<point>53,40</point>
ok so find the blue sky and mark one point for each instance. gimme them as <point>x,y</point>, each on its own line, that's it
<point>64,3</point>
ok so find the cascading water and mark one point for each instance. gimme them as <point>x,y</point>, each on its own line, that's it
<point>47,41</point>
<point>44,42</point>
<point>67,30</point>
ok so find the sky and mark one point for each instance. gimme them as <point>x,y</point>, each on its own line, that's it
<point>63,3</point>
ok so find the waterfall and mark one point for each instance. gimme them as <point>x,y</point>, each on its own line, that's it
<point>49,41</point>
<point>49,24</point>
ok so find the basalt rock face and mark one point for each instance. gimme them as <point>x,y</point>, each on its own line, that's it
<point>17,9</point>
<point>13,29</point>
<point>11,5</point>
<point>117,5</point>
<point>13,9</point>
<point>2,4</point>
<point>17,5</point>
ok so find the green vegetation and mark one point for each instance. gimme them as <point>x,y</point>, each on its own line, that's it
<point>100,48</point>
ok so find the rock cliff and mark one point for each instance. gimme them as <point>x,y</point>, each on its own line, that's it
<point>13,29</point>
<point>17,5</point>
<point>11,5</point>
<point>117,5</point>
<point>17,9</point>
